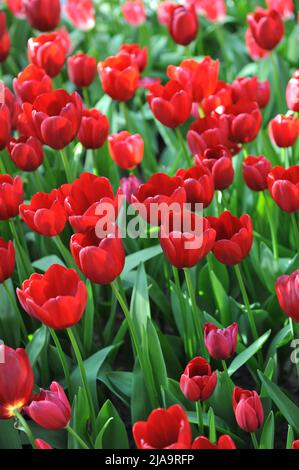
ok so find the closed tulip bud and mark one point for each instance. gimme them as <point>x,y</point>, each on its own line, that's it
<point>208,133</point>
<point>245,121</point>
<point>48,52</point>
<point>42,445</point>
<point>287,291</point>
<point>5,125</point>
<point>164,429</point>
<point>82,69</point>
<point>183,25</point>
<point>295,445</point>
<point>81,13</point>
<point>266,27</point>
<point>284,187</point>
<point>50,409</point>
<point>254,50</point>
<point>43,15</point>
<point>57,298</point>
<point>255,172</point>
<point>11,196</point>
<point>248,409</point>
<point>31,82</point>
<point>225,442</point>
<point>119,77</point>
<point>198,183</point>
<point>251,89</point>
<point>26,153</point>
<point>134,12</point>
<point>221,343</point>
<point>219,162</point>
<point>234,237</point>
<point>94,129</point>
<point>129,186</point>
<point>198,382</point>
<point>292,92</point>
<point>7,259</point>
<point>137,54</point>
<point>126,149</point>
<point>284,130</point>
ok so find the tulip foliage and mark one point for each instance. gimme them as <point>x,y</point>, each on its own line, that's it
<point>177,329</point>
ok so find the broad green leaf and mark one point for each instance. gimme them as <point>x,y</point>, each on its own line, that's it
<point>156,357</point>
<point>115,435</point>
<point>267,437</point>
<point>211,424</point>
<point>80,418</point>
<point>140,305</point>
<point>244,356</point>
<point>9,436</point>
<point>290,437</point>
<point>133,260</point>
<point>39,341</point>
<point>222,299</point>
<point>43,264</point>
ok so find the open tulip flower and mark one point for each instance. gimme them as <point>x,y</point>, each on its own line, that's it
<point>198,382</point>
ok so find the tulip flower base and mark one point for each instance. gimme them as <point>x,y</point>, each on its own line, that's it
<point>149,225</point>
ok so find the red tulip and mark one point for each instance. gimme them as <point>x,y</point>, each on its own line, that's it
<point>170,104</point>
<point>254,50</point>
<point>287,291</point>
<point>284,130</point>
<point>284,7</point>
<point>43,15</point>
<point>164,11</point>
<point>126,149</point>
<point>198,382</point>
<point>129,186</point>
<point>137,54</point>
<point>219,162</point>
<point>16,381</point>
<point>26,153</point>
<point>94,129</point>
<point>7,259</point>
<point>199,185</point>
<point>42,445</point>
<point>221,343</point>
<point>11,196</point>
<point>183,25</point>
<point>81,13</point>
<point>85,197</point>
<point>225,442</point>
<point>292,92</point>
<point>14,107</point>
<point>4,38</point>
<point>245,120</point>
<point>50,408</point>
<point>248,409</point>
<point>16,7</point>
<point>31,82</point>
<point>186,239</point>
<point>218,101</point>
<point>213,11</point>
<point>255,172</point>
<point>164,429</point>
<point>57,298</point>
<point>251,89</point>
<point>48,52</point>
<point>234,237</point>
<point>295,445</point>
<point>266,27</point>
<point>5,125</point>
<point>101,258</point>
<point>134,12</point>
<point>119,77</point>
<point>284,187</point>
<point>65,38</point>
<point>82,69</point>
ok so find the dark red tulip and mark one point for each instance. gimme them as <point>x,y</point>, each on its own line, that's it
<point>183,25</point>
<point>126,149</point>
<point>7,259</point>
<point>50,408</point>
<point>134,12</point>
<point>137,54</point>
<point>164,429</point>
<point>186,239</point>
<point>81,13</point>
<point>255,172</point>
<point>31,82</point>
<point>100,256</point>
<point>284,130</point>
<point>225,442</point>
<point>4,38</point>
<point>42,445</point>
<point>221,343</point>
<point>234,237</point>
<point>57,298</point>
<point>85,198</point>
<point>295,445</point>
<point>248,409</point>
<point>219,162</point>
<point>16,381</point>
<point>5,125</point>
<point>266,27</point>
<point>26,153</point>
<point>251,89</point>
<point>119,77</point>
<point>48,52</point>
<point>254,50</point>
<point>287,292</point>
<point>284,187</point>
<point>129,186</point>
<point>14,106</point>
<point>94,129</point>
<point>198,382</point>
<point>11,196</point>
<point>292,92</point>
<point>81,69</point>
<point>245,121</point>
<point>43,15</point>
<point>199,185</point>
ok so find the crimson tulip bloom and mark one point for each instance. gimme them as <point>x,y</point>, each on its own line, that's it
<point>43,15</point>
<point>199,185</point>
<point>85,196</point>
<point>255,172</point>
<point>26,153</point>
<point>81,13</point>
<point>170,104</point>
<point>100,258</point>
<point>5,125</point>
<point>183,25</point>
<point>251,89</point>
<point>14,107</point>
<point>188,243</point>
<point>57,298</point>
<point>266,27</point>
<point>16,7</point>
<point>225,442</point>
<point>48,52</point>
<point>50,408</point>
<point>31,82</point>
<point>248,409</point>
<point>284,187</point>
<point>94,129</point>
<point>82,69</point>
<point>16,381</point>
<point>292,92</point>
<point>164,429</point>
<point>198,382</point>
<point>221,343</point>
<point>254,50</point>
<point>134,12</point>
<point>164,11</point>
<point>234,237</point>
<point>119,77</point>
<point>4,38</point>
<point>129,186</point>
<point>137,54</point>
<point>284,130</point>
<point>11,196</point>
<point>287,292</point>
<point>218,101</point>
<point>219,162</point>
<point>295,445</point>
<point>214,11</point>
<point>245,120</point>
<point>42,445</point>
<point>284,7</point>
<point>7,259</point>
<point>126,149</point>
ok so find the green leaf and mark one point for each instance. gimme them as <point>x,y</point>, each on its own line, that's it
<point>222,299</point>
<point>119,382</point>
<point>212,426</point>
<point>140,305</point>
<point>99,440</point>
<point>43,264</point>
<point>38,343</point>
<point>115,435</point>
<point>245,355</point>
<point>280,339</point>
<point>290,437</point>
<point>140,403</point>
<point>133,260</point>
<point>156,357</point>
<point>267,437</point>
<point>88,319</point>
<point>9,436</point>
<point>80,418</point>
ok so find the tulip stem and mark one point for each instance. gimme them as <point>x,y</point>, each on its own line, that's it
<point>277,83</point>
<point>66,165</point>
<point>25,427</point>
<point>254,441</point>
<point>86,97</point>
<point>15,307</point>
<point>188,346</point>
<point>296,230</point>
<point>65,253</point>
<point>285,157</point>
<point>95,162</point>
<point>126,115</point>
<point>199,413</point>
<point>62,360</point>
<point>19,245</point>
<point>184,148</point>
<point>77,437</point>
<point>272,228</point>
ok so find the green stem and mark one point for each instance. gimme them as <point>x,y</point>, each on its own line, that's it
<point>126,115</point>
<point>65,253</point>
<point>86,97</point>
<point>272,228</point>
<point>62,360</point>
<point>277,82</point>
<point>254,440</point>
<point>187,340</point>
<point>95,162</point>
<point>20,247</point>
<point>285,157</point>
<point>184,147</point>
<point>77,437</point>
<point>199,413</point>
<point>25,426</point>
<point>15,307</point>
<point>296,230</point>
<point>66,165</point>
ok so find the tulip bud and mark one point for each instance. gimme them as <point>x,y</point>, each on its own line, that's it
<point>251,89</point>
<point>287,292</point>
<point>283,185</point>
<point>284,130</point>
<point>82,69</point>
<point>48,52</point>
<point>183,25</point>
<point>292,92</point>
<point>295,445</point>
<point>219,162</point>
<point>198,183</point>
<point>134,12</point>
<point>31,82</point>
<point>198,382</point>
<point>255,172</point>
<point>11,196</point>
<point>254,50</point>
<point>5,125</point>
<point>266,27</point>
<point>248,409</point>
<point>26,153</point>
<point>94,129</point>
<point>221,344</point>
<point>129,186</point>
<point>81,13</point>
<point>119,77</point>
<point>7,259</point>
<point>43,15</point>
<point>137,54</point>
<point>126,149</point>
